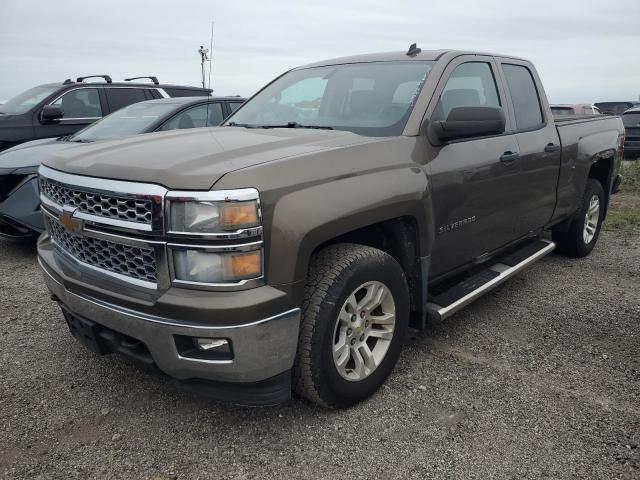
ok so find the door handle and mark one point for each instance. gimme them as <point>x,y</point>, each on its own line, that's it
<point>551,147</point>
<point>509,157</point>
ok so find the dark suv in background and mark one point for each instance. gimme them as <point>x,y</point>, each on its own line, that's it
<point>20,215</point>
<point>57,109</point>
<point>615,108</point>
<point>631,120</point>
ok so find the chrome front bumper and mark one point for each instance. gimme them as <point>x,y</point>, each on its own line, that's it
<point>261,349</point>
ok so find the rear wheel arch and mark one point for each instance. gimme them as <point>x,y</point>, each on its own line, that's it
<point>602,171</point>
<point>577,240</point>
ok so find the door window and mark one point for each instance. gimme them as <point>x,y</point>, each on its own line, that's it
<point>470,84</point>
<point>195,117</point>
<point>233,106</point>
<point>122,97</point>
<point>524,96</point>
<point>80,103</point>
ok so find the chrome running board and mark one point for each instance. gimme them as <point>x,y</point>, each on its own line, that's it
<point>459,296</point>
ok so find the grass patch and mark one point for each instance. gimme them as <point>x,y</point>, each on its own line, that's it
<point>624,209</point>
<point>630,172</point>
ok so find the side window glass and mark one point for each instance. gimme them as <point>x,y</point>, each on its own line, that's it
<point>233,106</point>
<point>122,97</point>
<point>215,115</point>
<point>195,117</point>
<point>80,103</point>
<point>470,84</point>
<point>524,96</point>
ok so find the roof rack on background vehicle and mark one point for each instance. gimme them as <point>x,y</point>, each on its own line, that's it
<point>152,78</point>
<point>107,79</point>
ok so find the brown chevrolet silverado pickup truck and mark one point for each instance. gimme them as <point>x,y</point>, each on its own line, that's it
<point>289,249</point>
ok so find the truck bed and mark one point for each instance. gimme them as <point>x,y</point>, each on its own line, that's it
<point>571,119</point>
<point>584,138</point>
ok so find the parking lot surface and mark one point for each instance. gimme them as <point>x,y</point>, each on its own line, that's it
<point>538,379</point>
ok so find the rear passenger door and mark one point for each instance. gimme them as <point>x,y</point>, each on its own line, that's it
<point>474,182</point>
<point>538,144</point>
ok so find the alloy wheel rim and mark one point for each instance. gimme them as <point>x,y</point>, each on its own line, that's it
<point>364,330</point>
<point>591,219</point>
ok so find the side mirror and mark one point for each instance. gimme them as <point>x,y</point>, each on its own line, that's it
<point>469,122</point>
<point>51,113</point>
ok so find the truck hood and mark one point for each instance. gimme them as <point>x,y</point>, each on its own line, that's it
<point>194,159</point>
<point>31,154</point>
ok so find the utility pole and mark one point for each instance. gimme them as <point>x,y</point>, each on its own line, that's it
<point>204,57</point>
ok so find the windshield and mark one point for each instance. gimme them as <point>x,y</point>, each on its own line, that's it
<point>631,119</point>
<point>27,100</point>
<point>373,99</point>
<point>131,120</point>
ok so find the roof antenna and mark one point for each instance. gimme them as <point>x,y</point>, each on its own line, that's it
<point>413,50</point>
<point>206,122</point>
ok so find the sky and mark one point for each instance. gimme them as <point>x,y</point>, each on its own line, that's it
<point>584,50</point>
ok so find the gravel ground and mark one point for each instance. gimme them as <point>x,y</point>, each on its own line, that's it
<point>539,379</point>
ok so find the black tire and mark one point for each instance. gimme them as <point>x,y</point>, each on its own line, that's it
<point>571,242</point>
<point>334,273</point>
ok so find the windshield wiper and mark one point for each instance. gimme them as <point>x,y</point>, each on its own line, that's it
<point>298,125</point>
<point>285,125</point>
<point>244,125</point>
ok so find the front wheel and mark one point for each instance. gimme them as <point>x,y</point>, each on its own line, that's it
<point>355,317</point>
<point>584,230</point>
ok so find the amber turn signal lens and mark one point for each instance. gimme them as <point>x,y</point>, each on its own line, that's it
<point>244,265</point>
<point>239,215</point>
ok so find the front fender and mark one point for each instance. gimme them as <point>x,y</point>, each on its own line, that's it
<point>308,217</point>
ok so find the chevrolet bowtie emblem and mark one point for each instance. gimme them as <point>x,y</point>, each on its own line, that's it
<point>71,223</point>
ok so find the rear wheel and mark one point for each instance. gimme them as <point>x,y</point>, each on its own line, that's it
<point>584,230</point>
<point>355,317</point>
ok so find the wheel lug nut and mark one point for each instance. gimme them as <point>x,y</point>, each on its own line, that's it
<point>366,324</point>
<point>349,331</point>
<point>353,341</point>
<point>353,318</point>
<point>362,314</point>
<point>362,337</point>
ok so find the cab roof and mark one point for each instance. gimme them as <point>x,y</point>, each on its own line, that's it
<point>424,55</point>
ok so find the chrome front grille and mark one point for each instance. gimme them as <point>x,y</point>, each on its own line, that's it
<point>134,262</point>
<point>118,230</point>
<point>99,204</point>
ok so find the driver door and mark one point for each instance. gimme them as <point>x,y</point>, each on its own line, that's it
<point>81,107</point>
<point>474,181</point>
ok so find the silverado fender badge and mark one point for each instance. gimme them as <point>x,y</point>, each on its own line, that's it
<point>71,223</point>
<point>456,225</point>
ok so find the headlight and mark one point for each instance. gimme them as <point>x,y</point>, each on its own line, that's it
<point>213,212</point>
<point>205,267</point>
<point>225,249</point>
<point>210,217</point>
